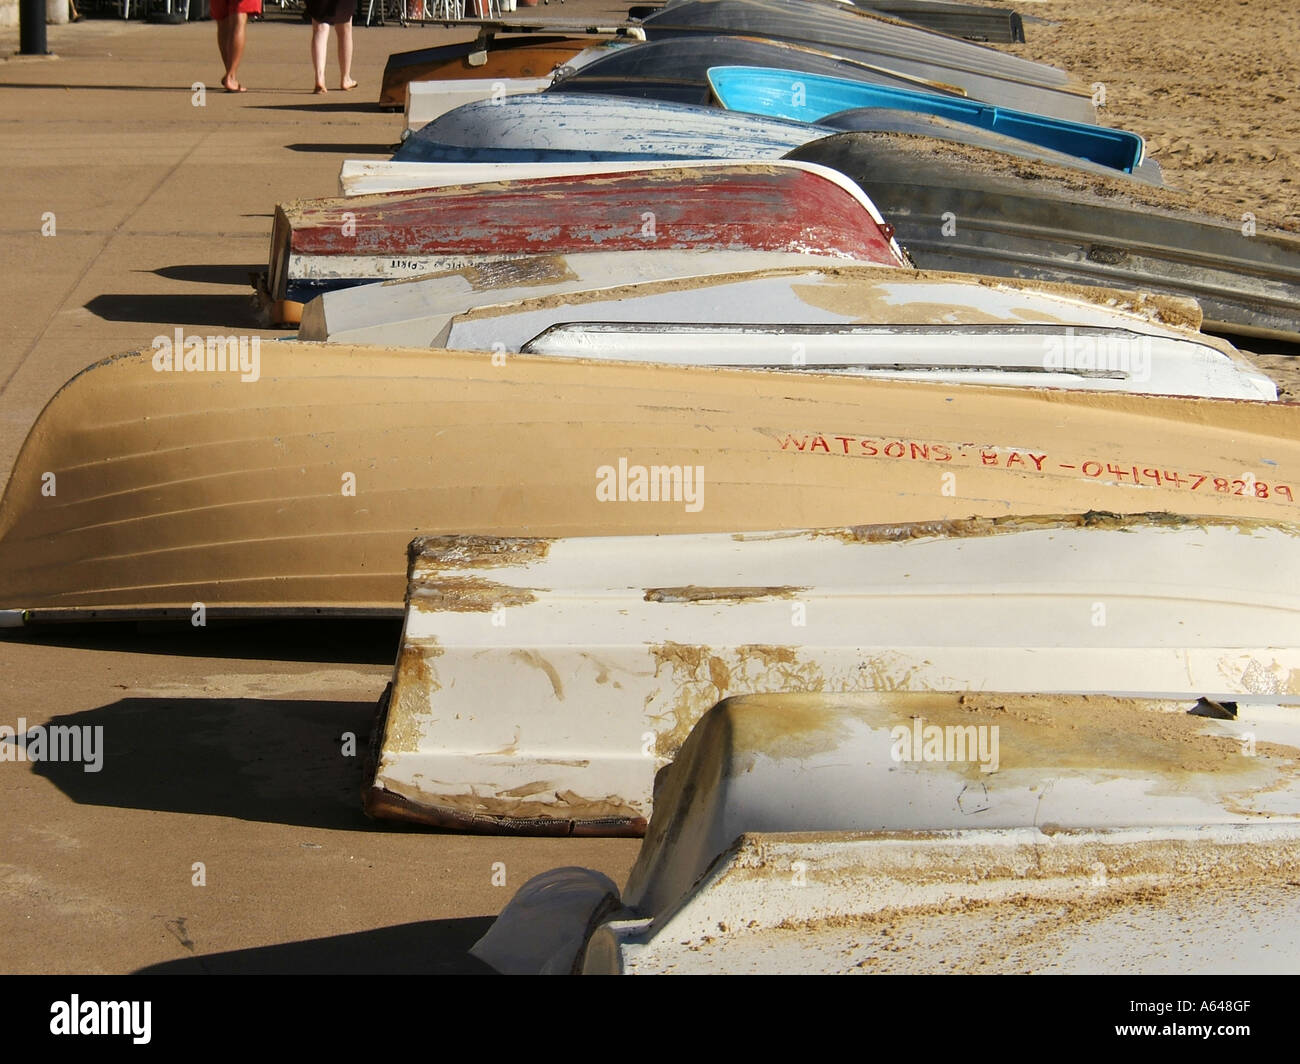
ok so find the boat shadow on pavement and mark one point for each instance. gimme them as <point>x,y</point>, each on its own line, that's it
<point>232,312</point>
<point>429,947</point>
<point>346,149</point>
<point>354,642</point>
<point>343,107</point>
<point>279,761</point>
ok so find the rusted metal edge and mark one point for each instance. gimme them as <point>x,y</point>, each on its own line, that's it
<point>378,803</point>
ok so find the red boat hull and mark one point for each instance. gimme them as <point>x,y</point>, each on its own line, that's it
<point>331,243</point>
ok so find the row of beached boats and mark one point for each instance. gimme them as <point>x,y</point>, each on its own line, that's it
<point>770,353</point>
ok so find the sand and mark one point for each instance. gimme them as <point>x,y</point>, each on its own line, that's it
<point>1211,84</point>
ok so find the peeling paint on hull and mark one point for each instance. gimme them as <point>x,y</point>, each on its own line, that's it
<point>789,837</point>
<point>318,245</point>
<point>607,664</point>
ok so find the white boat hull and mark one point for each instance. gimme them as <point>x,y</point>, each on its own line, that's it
<point>702,309</point>
<point>415,312</point>
<point>366,177</point>
<point>760,309</point>
<point>800,833</point>
<point>542,683</point>
<point>427,100</point>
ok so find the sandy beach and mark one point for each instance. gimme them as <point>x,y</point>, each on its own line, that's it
<point>1211,85</point>
<point>225,832</point>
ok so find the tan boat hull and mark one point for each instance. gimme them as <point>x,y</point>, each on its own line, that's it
<point>139,491</point>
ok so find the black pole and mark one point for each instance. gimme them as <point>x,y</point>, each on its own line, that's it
<point>31,33</point>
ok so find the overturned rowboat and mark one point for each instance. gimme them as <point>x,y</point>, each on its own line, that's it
<point>992,25</point>
<point>968,209</point>
<point>546,127</point>
<point>427,100</point>
<point>910,123</point>
<point>981,73</point>
<point>862,832</point>
<point>676,69</point>
<point>292,487</point>
<point>319,245</point>
<point>542,683</point>
<point>805,97</point>
<point>817,315</point>
<point>497,56</point>
<point>418,311</point>
<point>367,177</point>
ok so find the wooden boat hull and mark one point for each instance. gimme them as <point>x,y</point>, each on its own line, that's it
<point>981,73</point>
<point>524,56</point>
<point>550,127</point>
<point>971,210</point>
<point>587,662</point>
<point>805,97</point>
<point>141,492</point>
<point>318,245</point>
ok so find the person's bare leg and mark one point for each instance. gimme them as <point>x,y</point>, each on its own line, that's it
<point>320,39</point>
<point>235,23</point>
<point>344,32</point>
<point>240,21</point>
<point>223,43</point>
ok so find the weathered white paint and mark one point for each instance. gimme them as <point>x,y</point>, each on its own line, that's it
<point>365,177</point>
<point>427,100</point>
<point>416,312</point>
<point>611,125</point>
<point>786,827</point>
<point>616,646</point>
<point>874,322</point>
<point>1007,356</point>
<point>814,313</point>
<point>1235,912</point>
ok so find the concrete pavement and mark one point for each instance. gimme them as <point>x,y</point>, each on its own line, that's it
<point>225,748</point>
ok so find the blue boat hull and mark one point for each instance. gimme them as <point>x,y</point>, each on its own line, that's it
<point>806,97</point>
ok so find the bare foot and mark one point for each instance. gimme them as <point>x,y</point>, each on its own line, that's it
<point>319,89</point>
<point>347,84</point>
<point>231,85</point>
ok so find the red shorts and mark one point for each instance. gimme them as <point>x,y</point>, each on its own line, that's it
<point>222,8</point>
